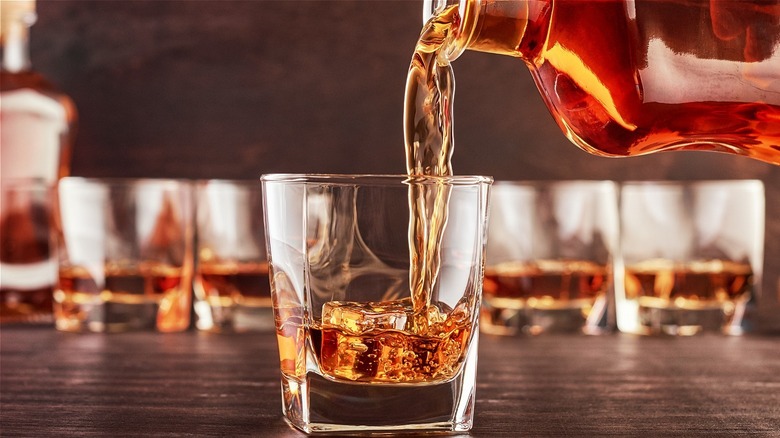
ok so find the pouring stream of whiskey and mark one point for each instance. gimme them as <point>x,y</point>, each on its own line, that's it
<point>428,138</point>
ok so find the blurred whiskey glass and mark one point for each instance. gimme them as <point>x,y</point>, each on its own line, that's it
<point>693,255</point>
<point>125,259</point>
<point>232,290</point>
<point>550,252</point>
<point>28,261</point>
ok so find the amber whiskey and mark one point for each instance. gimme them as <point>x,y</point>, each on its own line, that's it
<point>27,263</point>
<point>620,77</point>
<point>692,285</point>
<point>428,144</point>
<point>233,296</point>
<point>377,343</point>
<point>546,284</point>
<point>544,295</point>
<point>26,305</point>
<point>148,295</point>
<point>229,284</point>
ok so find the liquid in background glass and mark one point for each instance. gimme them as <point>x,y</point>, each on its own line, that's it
<point>700,284</point>
<point>236,283</point>
<point>37,125</point>
<point>513,288</point>
<point>232,289</point>
<point>132,297</point>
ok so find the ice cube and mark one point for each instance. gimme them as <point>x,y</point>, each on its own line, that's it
<point>357,318</point>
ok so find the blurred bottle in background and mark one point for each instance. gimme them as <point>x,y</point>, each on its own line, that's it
<point>37,125</point>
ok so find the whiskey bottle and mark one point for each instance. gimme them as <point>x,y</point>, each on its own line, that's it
<point>36,131</point>
<point>631,77</point>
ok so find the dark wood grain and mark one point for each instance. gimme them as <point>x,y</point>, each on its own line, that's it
<point>198,384</point>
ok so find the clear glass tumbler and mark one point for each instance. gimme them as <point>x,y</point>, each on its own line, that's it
<point>28,261</point>
<point>232,291</point>
<point>125,255</point>
<point>361,349</point>
<point>550,255</point>
<point>693,255</point>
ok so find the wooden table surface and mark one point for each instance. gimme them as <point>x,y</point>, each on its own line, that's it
<point>197,384</point>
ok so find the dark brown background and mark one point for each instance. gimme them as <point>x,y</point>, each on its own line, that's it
<point>234,89</point>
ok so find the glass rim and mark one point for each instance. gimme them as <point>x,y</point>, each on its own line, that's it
<point>747,183</point>
<point>221,182</point>
<point>681,182</point>
<point>81,181</point>
<point>553,182</point>
<point>26,183</point>
<point>373,179</point>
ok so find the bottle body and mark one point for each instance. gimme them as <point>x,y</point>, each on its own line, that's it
<point>625,77</point>
<point>37,125</point>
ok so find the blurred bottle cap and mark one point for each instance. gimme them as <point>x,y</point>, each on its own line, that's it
<point>15,11</point>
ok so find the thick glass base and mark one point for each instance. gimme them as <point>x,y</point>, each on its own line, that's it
<point>233,319</point>
<point>88,313</point>
<point>317,404</point>
<point>680,322</point>
<point>569,317</point>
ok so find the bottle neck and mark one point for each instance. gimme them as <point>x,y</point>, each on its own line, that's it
<point>505,27</point>
<point>462,22</point>
<point>16,50</point>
